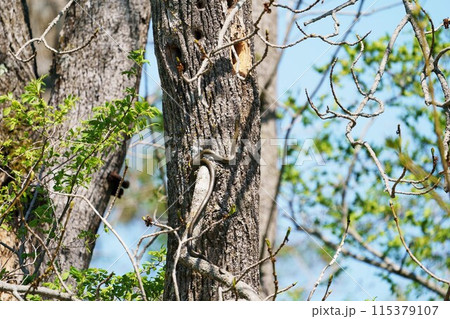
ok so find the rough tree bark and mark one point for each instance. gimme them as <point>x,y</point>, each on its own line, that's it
<point>15,32</point>
<point>182,30</point>
<point>269,150</point>
<point>93,74</point>
<point>13,77</point>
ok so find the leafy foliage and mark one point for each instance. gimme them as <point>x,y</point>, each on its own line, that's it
<point>98,284</point>
<point>80,149</point>
<point>41,154</point>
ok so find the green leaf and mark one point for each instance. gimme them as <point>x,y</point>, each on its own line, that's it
<point>6,111</point>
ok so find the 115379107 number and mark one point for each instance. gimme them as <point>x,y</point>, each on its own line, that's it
<point>419,310</point>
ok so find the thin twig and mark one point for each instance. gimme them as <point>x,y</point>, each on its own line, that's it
<point>353,13</point>
<point>423,180</point>
<point>20,193</point>
<point>280,291</point>
<point>333,11</point>
<point>44,41</point>
<point>274,271</point>
<point>398,181</point>
<point>97,291</point>
<point>296,11</point>
<point>130,256</point>
<point>256,264</point>
<point>47,251</point>
<point>397,224</point>
<point>369,96</point>
<point>333,260</point>
<point>176,257</point>
<point>327,292</point>
<point>386,263</point>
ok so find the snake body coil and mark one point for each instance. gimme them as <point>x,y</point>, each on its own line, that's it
<point>206,156</point>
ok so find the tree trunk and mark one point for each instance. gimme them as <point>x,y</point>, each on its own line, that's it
<point>183,31</point>
<point>13,77</point>
<point>93,74</point>
<point>15,32</point>
<point>41,13</point>
<point>269,149</point>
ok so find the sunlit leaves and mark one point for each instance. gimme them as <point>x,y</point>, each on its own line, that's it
<point>35,139</point>
<point>98,284</point>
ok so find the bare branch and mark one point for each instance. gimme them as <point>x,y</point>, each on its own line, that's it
<point>385,263</point>
<point>420,36</point>
<point>104,281</point>
<point>42,291</point>
<point>283,243</point>
<point>353,13</point>
<point>294,10</point>
<point>439,55</point>
<point>426,191</point>
<point>264,56</point>
<point>220,275</point>
<point>423,180</point>
<point>333,11</point>
<point>153,237</point>
<point>274,272</point>
<point>280,291</point>
<point>44,41</point>
<point>130,256</point>
<point>47,251</point>
<point>336,32</point>
<point>391,204</point>
<point>397,181</point>
<point>328,291</point>
<point>333,260</point>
